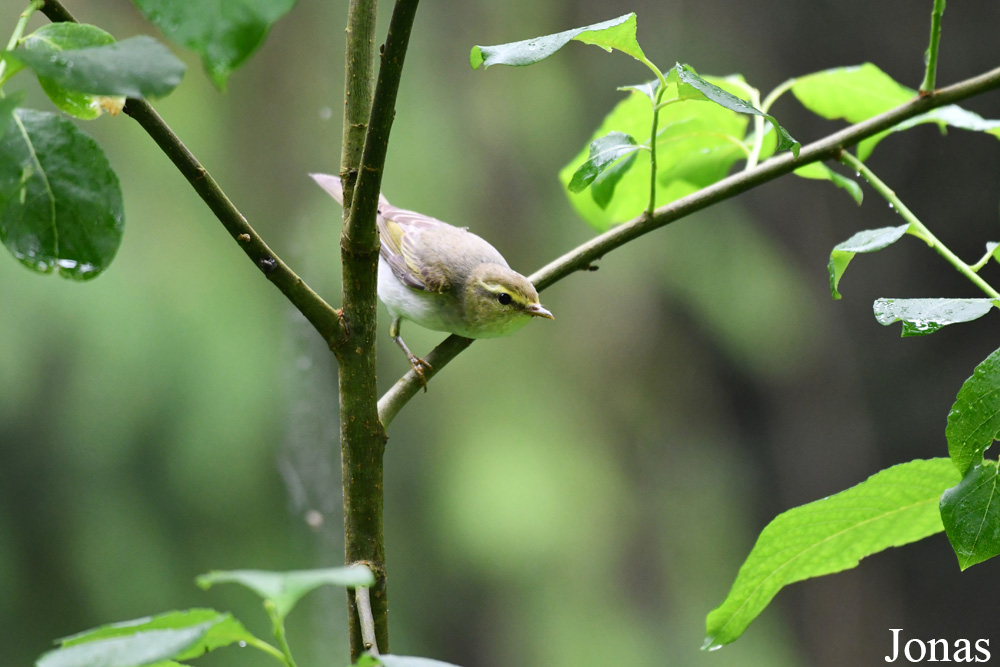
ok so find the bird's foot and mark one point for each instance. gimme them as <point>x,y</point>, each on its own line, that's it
<point>419,367</point>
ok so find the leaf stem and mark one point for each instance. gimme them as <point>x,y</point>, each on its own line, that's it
<point>267,648</point>
<point>990,249</point>
<point>278,625</point>
<point>930,74</point>
<point>773,96</point>
<point>584,255</point>
<point>652,148</point>
<point>758,129</point>
<point>22,23</point>
<point>915,224</point>
<point>661,89</point>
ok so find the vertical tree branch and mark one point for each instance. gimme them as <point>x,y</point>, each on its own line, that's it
<point>362,438</point>
<point>359,81</point>
<point>383,113</point>
<point>362,435</point>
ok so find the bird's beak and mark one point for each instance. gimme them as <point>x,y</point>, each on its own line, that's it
<point>537,310</point>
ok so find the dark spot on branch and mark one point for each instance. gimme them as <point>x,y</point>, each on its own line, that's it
<point>267,264</point>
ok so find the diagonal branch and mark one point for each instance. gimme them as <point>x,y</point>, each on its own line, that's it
<point>320,314</point>
<point>584,255</point>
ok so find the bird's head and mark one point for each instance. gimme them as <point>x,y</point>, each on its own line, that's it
<point>498,301</point>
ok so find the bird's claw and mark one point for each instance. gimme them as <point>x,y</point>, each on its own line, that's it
<point>419,367</point>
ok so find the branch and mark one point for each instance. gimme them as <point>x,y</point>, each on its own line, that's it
<point>362,436</point>
<point>584,255</point>
<point>320,314</point>
<point>363,602</point>
<point>56,12</point>
<point>359,79</point>
<point>360,226</point>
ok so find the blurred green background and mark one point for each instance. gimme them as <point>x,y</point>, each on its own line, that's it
<point>579,494</point>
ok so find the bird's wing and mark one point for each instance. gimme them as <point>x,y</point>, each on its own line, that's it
<point>401,232</point>
<point>414,264</point>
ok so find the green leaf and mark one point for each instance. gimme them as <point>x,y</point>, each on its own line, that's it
<point>7,107</point>
<point>951,115</point>
<point>389,660</point>
<point>140,648</point>
<point>724,98</point>
<point>603,187</point>
<point>974,419</point>
<point>971,515</point>
<point>925,316</point>
<point>697,144</point>
<point>820,171</point>
<point>869,240</point>
<point>60,202</point>
<point>896,506</point>
<point>603,153</point>
<point>858,93</point>
<point>56,37</point>
<point>618,33</point>
<point>853,93</point>
<point>135,67</point>
<point>225,33</point>
<point>223,631</point>
<point>285,589</point>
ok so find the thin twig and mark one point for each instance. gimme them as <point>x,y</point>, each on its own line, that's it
<point>915,224</point>
<point>364,605</point>
<point>320,314</point>
<point>584,255</point>
<point>930,73</point>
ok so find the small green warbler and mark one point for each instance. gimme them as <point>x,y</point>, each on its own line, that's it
<point>444,278</point>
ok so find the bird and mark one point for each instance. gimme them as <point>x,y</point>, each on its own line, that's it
<point>443,278</point>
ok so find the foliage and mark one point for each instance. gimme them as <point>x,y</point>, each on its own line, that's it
<point>679,133</point>
<point>686,151</point>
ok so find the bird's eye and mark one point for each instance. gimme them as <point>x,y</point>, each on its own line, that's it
<point>504,298</point>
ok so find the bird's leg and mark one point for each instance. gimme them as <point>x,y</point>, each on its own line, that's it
<point>416,363</point>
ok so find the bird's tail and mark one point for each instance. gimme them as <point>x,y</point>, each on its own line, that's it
<point>334,188</point>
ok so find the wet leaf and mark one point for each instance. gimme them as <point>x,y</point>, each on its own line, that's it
<point>60,202</point>
<point>971,515</point>
<point>135,67</point>
<point>225,33</point>
<point>925,316</point>
<point>617,33</point>
<point>869,240</point>
<point>604,152</point>
<point>974,419</point>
